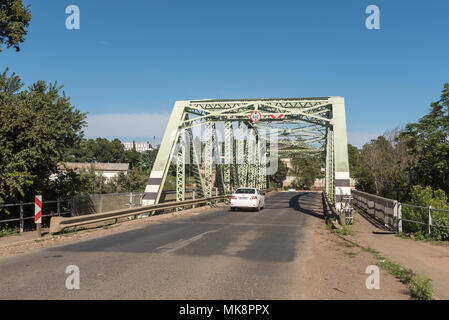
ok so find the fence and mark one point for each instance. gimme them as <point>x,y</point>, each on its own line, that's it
<point>21,215</point>
<point>23,212</point>
<point>390,212</point>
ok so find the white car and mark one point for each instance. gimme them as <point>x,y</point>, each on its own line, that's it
<point>250,198</point>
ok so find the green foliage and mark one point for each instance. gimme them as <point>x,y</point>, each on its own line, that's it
<point>426,197</point>
<point>135,180</point>
<point>418,155</point>
<point>421,287</point>
<point>99,150</point>
<point>381,166</point>
<point>428,141</point>
<point>438,232</point>
<point>8,231</point>
<point>278,178</point>
<point>306,170</point>
<point>14,21</point>
<point>358,171</point>
<point>37,125</point>
<point>345,231</point>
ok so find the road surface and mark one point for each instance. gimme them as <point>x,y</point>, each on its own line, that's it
<point>212,255</point>
<point>283,252</point>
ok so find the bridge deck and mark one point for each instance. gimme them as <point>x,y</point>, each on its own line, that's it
<point>283,252</point>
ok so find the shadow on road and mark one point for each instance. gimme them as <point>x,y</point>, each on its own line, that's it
<point>307,200</point>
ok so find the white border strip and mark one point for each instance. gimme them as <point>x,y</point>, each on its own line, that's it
<point>156,174</point>
<point>341,175</point>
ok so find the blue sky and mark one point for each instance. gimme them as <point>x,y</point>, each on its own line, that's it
<point>131,60</point>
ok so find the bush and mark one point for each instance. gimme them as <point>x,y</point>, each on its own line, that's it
<point>440,219</point>
<point>426,197</point>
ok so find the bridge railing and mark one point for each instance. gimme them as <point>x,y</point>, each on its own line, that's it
<point>382,209</point>
<point>393,214</point>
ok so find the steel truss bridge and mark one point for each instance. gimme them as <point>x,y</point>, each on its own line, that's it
<point>256,133</point>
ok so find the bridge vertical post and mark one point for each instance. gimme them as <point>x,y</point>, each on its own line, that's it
<point>217,161</point>
<point>208,160</point>
<point>195,145</point>
<point>273,153</point>
<point>228,156</point>
<point>241,158</point>
<point>263,165</point>
<point>340,146</point>
<point>261,172</point>
<point>164,156</point>
<point>330,176</point>
<point>250,142</point>
<point>180,167</point>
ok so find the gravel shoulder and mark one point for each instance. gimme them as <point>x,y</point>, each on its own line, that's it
<point>419,256</point>
<point>336,269</point>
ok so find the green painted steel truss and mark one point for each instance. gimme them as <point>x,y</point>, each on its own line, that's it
<point>255,133</point>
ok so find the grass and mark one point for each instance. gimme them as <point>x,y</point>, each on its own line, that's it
<point>421,238</point>
<point>351,253</point>
<point>8,231</point>
<point>370,250</point>
<point>68,232</point>
<point>329,224</point>
<point>345,231</point>
<point>420,285</point>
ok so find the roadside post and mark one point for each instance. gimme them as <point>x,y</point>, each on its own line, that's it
<point>38,214</point>
<point>21,216</point>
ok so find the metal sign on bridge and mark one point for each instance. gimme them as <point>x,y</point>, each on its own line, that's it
<point>256,133</point>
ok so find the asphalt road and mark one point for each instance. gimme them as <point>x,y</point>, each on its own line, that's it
<point>213,255</point>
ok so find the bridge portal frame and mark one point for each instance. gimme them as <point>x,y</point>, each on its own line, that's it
<point>319,124</point>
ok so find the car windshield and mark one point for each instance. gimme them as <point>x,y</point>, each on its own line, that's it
<point>245,191</point>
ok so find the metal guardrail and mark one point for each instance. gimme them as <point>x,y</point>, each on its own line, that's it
<point>73,208</point>
<point>389,211</point>
<point>57,224</point>
<point>20,214</point>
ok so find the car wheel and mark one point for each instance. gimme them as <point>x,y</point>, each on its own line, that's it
<point>232,209</point>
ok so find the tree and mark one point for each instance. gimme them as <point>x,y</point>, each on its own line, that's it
<point>37,125</point>
<point>306,170</point>
<point>353,158</point>
<point>278,178</point>
<point>14,21</point>
<point>428,140</point>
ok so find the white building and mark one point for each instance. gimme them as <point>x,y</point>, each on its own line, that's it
<point>107,170</point>
<point>140,146</point>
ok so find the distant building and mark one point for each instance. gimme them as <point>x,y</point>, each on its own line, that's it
<point>107,170</point>
<point>140,146</point>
